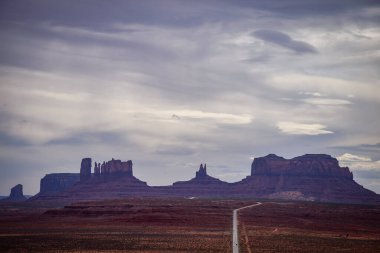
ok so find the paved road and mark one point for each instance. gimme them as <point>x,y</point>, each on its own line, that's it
<point>235,233</point>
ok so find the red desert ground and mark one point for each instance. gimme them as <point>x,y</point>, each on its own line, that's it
<point>304,204</point>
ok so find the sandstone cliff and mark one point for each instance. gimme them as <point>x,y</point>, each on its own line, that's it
<point>308,177</point>
<point>312,165</point>
<point>112,179</point>
<point>57,182</point>
<point>114,167</point>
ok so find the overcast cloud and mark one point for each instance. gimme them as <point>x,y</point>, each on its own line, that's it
<point>285,41</point>
<point>172,84</point>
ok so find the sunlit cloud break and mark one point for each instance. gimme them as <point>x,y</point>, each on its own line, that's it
<point>326,101</point>
<point>347,157</point>
<point>223,118</point>
<point>358,162</point>
<point>293,128</point>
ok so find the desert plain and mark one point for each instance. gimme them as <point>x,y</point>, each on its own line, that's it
<point>187,225</point>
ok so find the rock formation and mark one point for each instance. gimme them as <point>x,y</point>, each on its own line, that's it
<point>97,169</point>
<point>85,169</point>
<point>114,167</point>
<point>57,182</point>
<point>307,165</point>
<point>16,194</point>
<point>112,179</point>
<point>308,177</point>
<point>202,185</point>
<point>201,178</point>
<point>201,173</point>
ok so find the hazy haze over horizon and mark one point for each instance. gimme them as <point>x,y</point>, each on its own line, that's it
<point>172,84</point>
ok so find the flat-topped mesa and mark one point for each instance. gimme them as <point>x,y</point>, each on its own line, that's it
<point>57,182</point>
<point>311,165</point>
<point>114,167</point>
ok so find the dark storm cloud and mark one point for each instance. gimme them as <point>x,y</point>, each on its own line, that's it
<point>83,138</point>
<point>28,46</point>
<point>284,40</point>
<point>6,139</point>
<point>361,147</point>
<point>367,174</point>
<point>175,150</point>
<point>299,8</point>
<point>371,146</point>
<point>168,84</point>
<point>82,13</point>
<point>103,14</point>
<point>372,150</point>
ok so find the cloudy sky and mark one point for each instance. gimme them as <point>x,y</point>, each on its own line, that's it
<point>171,84</point>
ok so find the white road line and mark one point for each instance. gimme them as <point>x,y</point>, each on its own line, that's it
<point>235,232</point>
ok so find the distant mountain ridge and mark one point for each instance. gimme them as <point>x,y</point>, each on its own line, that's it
<point>311,177</point>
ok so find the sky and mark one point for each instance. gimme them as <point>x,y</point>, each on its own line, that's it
<point>172,84</point>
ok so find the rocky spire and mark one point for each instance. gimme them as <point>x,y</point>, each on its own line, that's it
<point>103,168</point>
<point>97,169</point>
<point>201,173</point>
<point>129,166</point>
<point>85,169</point>
<point>16,194</point>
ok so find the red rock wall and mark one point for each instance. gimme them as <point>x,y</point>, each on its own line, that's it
<point>306,165</point>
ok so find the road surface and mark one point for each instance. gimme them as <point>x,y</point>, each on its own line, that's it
<point>235,232</point>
